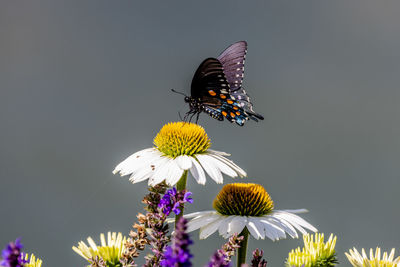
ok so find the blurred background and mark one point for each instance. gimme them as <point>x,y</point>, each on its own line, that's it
<point>84,84</point>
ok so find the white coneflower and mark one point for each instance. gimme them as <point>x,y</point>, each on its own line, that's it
<point>375,260</point>
<point>247,209</point>
<point>178,147</point>
<point>243,205</point>
<point>110,250</point>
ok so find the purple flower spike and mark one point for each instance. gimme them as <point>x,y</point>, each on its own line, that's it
<point>173,200</point>
<point>218,259</point>
<point>222,257</point>
<point>178,255</point>
<point>12,256</point>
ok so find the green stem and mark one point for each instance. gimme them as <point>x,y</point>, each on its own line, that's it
<point>180,186</point>
<point>241,258</point>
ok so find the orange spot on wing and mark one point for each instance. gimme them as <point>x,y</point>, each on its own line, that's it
<point>212,93</point>
<point>232,115</point>
<point>229,101</point>
<point>235,108</point>
<point>238,113</point>
<point>222,96</point>
<point>224,113</point>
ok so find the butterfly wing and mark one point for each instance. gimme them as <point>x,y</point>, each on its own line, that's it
<point>209,81</point>
<point>214,112</point>
<point>211,89</point>
<point>233,112</point>
<point>243,101</point>
<point>232,60</point>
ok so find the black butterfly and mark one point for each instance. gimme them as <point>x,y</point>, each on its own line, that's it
<point>217,88</point>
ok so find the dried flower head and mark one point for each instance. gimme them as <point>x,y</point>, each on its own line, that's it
<point>222,257</point>
<point>257,260</point>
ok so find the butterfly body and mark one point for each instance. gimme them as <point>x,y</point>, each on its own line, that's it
<point>216,88</point>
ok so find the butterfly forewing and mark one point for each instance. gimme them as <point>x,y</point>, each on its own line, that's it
<point>232,60</point>
<point>209,80</point>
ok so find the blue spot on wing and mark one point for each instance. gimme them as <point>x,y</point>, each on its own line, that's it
<point>232,113</point>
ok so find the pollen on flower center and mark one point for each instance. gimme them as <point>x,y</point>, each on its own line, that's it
<point>243,199</point>
<point>182,138</point>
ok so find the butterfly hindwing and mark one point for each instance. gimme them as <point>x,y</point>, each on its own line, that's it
<point>232,60</point>
<point>214,112</point>
<point>234,113</point>
<point>243,101</point>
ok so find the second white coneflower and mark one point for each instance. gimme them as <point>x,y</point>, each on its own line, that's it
<point>178,147</point>
<point>247,209</point>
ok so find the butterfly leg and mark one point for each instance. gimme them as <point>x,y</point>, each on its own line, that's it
<point>197,117</point>
<point>191,117</point>
<point>187,115</point>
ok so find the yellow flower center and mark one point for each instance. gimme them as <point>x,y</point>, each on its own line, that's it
<point>181,138</point>
<point>243,200</point>
<point>32,261</point>
<point>110,250</point>
<point>375,260</point>
<point>315,252</point>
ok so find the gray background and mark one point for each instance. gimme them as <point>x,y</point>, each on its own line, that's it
<point>83,84</point>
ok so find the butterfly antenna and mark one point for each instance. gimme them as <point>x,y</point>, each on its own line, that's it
<point>178,92</point>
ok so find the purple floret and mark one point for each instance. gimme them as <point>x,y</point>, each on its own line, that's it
<point>12,256</point>
<point>173,200</point>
